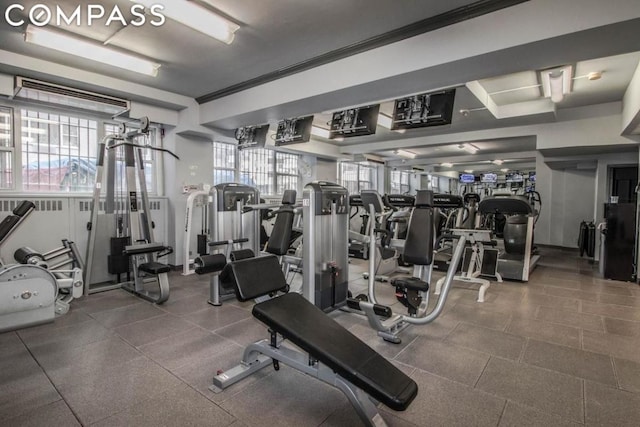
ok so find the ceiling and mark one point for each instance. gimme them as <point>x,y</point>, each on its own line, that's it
<point>273,34</point>
<point>276,35</point>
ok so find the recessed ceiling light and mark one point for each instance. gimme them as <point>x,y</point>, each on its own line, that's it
<point>504,170</point>
<point>469,148</point>
<point>446,165</point>
<point>405,153</point>
<point>468,171</point>
<point>498,162</point>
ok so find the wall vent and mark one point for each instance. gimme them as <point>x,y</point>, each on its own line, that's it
<point>44,205</point>
<point>49,93</point>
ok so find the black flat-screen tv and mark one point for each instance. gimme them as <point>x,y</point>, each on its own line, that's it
<point>514,177</point>
<point>427,109</point>
<point>489,178</point>
<point>251,136</point>
<point>354,122</point>
<point>467,178</point>
<point>294,131</point>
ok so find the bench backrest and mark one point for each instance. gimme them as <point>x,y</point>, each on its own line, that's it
<point>254,277</point>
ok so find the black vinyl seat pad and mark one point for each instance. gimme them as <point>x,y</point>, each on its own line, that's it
<point>412,283</point>
<point>308,327</point>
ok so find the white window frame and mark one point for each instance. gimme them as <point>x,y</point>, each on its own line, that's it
<point>400,187</point>
<point>270,170</point>
<point>360,167</point>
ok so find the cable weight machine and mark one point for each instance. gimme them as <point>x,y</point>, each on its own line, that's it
<point>124,229</point>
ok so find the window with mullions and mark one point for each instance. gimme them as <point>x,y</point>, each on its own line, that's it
<point>257,169</point>
<point>58,152</point>
<point>270,171</point>
<point>148,156</point>
<point>399,182</point>
<point>286,172</point>
<point>356,177</point>
<point>6,148</point>
<point>224,162</point>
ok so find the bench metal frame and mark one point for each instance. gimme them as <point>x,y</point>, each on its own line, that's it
<point>270,352</point>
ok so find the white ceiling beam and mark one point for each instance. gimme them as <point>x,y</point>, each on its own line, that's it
<point>463,158</point>
<point>631,105</point>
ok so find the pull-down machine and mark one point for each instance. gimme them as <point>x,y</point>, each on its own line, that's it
<point>125,229</point>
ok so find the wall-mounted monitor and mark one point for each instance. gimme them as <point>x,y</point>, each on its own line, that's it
<point>293,131</point>
<point>467,178</point>
<point>489,178</point>
<point>354,122</point>
<point>514,177</point>
<point>251,136</point>
<point>427,109</point>
<point>532,176</point>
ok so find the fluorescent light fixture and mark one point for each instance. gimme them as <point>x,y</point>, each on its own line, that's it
<point>498,162</point>
<point>556,83</point>
<point>469,148</point>
<point>89,50</point>
<point>321,132</point>
<point>468,171</point>
<point>504,170</point>
<point>446,165</point>
<point>201,19</point>
<point>405,153</point>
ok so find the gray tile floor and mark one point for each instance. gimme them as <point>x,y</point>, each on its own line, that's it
<point>563,349</point>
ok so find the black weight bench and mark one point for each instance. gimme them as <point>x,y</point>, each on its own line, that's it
<point>334,355</point>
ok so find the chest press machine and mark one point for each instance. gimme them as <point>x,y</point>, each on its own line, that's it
<point>329,353</point>
<point>412,292</point>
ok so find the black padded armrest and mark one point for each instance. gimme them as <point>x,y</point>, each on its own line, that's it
<point>326,340</point>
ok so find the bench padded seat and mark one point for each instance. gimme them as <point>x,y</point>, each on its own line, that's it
<point>154,268</point>
<point>324,339</point>
<point>411,283</point>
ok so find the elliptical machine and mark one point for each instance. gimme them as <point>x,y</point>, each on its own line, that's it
<point>519,256</point>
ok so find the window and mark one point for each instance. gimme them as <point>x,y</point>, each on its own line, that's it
<point>148,156</point>
<point>6,148</point>
<point>356,177</point>
<point>224,162</point>
<point>399,181</point>
<point>270,171</point>
<point>286,172</point>
<point>257,169</point>
<point>58,152</point>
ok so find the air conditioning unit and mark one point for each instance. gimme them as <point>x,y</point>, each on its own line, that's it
<point>52,94</point>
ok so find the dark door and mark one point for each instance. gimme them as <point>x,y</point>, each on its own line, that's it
<point>625,180</point>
